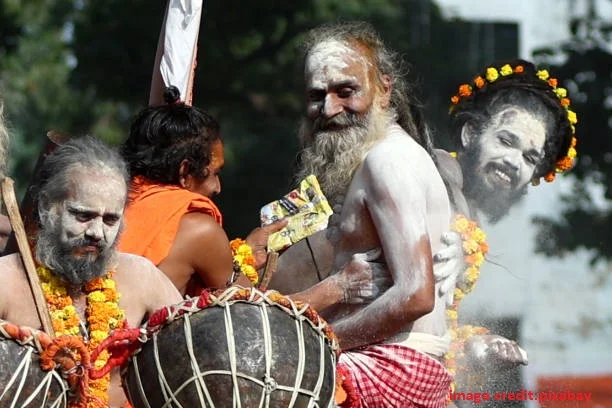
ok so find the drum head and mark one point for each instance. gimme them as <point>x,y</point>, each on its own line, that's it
<point>23,383</point>
<point>258,354</point>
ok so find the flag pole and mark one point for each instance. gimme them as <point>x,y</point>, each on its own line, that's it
<point>176,54</point>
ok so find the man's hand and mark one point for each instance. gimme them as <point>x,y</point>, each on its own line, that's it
<point>258,240</point>
<point>362,280</point>
<point>491,351</point>
<point>449,264</point>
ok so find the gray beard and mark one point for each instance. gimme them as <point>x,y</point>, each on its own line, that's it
<point>60,260</point>
<point>333,156</point>
<point>494,203</point>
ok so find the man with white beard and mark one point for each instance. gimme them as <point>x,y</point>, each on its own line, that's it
<point>364,141</point>
<point>90,288</point>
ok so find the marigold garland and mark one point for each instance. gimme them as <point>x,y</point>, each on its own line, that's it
<point>244,261</point>
<point>492,74</point>
<point>475,248</point>
<point>103,315</point>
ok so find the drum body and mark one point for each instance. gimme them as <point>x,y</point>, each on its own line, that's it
<point>237,354</point>
<point>22,382</point>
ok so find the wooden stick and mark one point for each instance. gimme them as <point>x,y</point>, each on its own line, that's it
<point>271,265</point>
<point>10,202</point>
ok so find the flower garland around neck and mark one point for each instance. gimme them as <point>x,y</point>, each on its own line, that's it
<point>493,74</point>
<point>103,315</point>
<point>475,248</point>
<point>244,261</point>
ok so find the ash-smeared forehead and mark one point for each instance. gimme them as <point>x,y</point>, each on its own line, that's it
<point>329,62</point>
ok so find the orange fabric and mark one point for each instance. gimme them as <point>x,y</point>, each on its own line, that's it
<point>153,216</point>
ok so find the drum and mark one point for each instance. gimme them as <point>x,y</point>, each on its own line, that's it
<point>234,348</point>
<point>22,382</point>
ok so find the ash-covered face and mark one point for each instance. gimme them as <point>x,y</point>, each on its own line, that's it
<point>78,235</point>
<point>499,164</point>
<point>340,86</point>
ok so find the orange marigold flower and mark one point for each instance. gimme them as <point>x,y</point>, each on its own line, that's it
<point>518,69</point>
<point>565,102</point>
<point>549,177</point>
<point>553,82</point>
<point>479,81</point>
<point>455,100</point>
<point>565,164</point>
<point>465,90</point>
<point>573,142</point>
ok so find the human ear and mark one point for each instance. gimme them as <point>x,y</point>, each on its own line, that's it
<point>385,89</point>
<point>467,134</point>
<point>184,173</point>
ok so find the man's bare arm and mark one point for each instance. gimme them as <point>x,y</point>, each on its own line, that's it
<point>200,246</point>
<point>396,201</point>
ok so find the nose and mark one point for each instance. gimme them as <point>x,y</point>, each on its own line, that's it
<point>95,230</point>
<point>217,186</point>
<point>512,159</point>
<point>331,106</point>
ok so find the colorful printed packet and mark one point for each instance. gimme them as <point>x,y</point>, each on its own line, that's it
<point>309,211</point>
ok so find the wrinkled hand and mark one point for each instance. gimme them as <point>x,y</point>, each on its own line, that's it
<point>258,240</point>
<point>363,280</point>
<point>449,264</point>
<point>489,351</point>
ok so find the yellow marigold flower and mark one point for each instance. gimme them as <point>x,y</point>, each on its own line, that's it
<point>99,364</point>
<point>451,314</point>
<point>70,309</point>
<point>43,273</point>
<point>506,70</point>
<point>479,259</point>
<point>561,92</point>
<point>461,224</point>
<point>58,314</point>
<point>109,284</point>
<point>98,336</point>
<point>73,331</point>
<point>571,153</point>
<point>472,273</point>
<point>492,74</point>
<point>96,296</point>
<point>470,246</point>
<point>479,235</point>
<point>542,74</point>
<point>571,116</point>
<point>458,294</point>
<point>453,154</point>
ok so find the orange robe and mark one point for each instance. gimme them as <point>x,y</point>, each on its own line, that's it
<point>153,216</point>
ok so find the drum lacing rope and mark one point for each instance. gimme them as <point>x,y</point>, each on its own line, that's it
<point>131,341</point>
<point>37,341</point>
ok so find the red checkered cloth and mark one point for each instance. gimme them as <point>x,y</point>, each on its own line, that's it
<point>390,375</point>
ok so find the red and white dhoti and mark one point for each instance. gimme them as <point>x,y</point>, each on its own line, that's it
<point>395,376</point>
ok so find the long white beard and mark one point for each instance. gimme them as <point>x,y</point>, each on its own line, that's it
<point>333,156</point>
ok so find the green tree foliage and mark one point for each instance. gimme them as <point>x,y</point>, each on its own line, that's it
<point>586,222</point>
